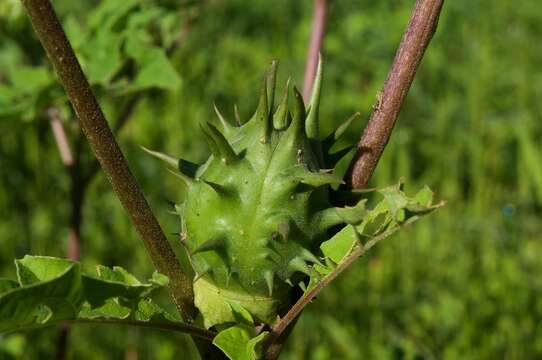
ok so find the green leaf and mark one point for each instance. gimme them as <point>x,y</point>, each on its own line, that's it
<point>154,68</point>
<point>149,311</point>
<point>241,315</point>
<point>12,346</point>
<point>35,301</point>
<point>109,12</point>
<point>29,80</point>
<point>157,72</point>
<point>159,279</point>
<point>50,290</point>
<point>253,347</point>
<point>24,88</point>
<point>111,309</point>
<point>395,210</point>
<point>102,56</point>
<point>238,343</point>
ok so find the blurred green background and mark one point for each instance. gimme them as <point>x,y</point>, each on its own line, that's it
<point>464,283</point>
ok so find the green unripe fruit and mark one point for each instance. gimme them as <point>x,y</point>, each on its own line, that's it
<point>257,211</point>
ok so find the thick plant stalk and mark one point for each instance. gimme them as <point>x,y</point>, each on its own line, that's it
<point>418,34</point>
<point>105,147</point>
<point>315,45</point>
<point>419,31</point>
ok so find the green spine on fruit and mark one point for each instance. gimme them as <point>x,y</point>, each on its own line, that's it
<point>257,211</point>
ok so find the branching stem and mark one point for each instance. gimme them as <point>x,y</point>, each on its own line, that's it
<point>295,310</point>
<point>107,151</point>
<point>420,29</point>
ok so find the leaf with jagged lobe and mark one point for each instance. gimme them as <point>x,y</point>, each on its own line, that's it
<point>394,211</point>
<point>240,342</point>
<point>51,290</point>
<point>255,214</point>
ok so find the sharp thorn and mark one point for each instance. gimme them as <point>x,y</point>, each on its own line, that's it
<point>209,245</point>
<point>262,114</point>
<point>298,264</point>
<point>333,158</point>
<point>219,189</point>
<point>309,256</point>
<point>299,111</point>
<point>271,84</point>
<point>225,124</point>
<point>220,147</point>
<point>269,277</point>
<point>328,142</point>
<point>210,142</point>
<point>170,160</point>
<point>280,119</point>
<point>311,124</point>
<point>237,115</point>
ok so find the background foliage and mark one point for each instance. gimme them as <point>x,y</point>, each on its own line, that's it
<point>463,284</point>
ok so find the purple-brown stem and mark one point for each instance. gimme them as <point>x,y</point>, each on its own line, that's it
<point>106,149</point>
<point>420,29</point>
<point>66,154</point>
<point>418,34</point>
<point>315,45</point>
<point>80,179</point>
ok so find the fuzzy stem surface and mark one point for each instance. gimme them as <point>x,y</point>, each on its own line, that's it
<point>420,29</point>
<point>107,151</point>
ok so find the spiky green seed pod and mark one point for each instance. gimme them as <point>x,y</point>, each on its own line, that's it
<point>256,212</point>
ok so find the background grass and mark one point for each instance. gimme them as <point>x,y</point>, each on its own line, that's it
<point>465,283</point>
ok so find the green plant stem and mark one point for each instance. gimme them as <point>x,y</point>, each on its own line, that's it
<point>107,151</point>
<point>420,29</point>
